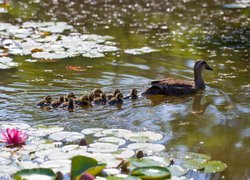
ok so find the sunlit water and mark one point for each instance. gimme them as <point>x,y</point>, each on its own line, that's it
<point>215,121</point>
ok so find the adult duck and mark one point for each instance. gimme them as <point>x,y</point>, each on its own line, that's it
<point>177,87</point>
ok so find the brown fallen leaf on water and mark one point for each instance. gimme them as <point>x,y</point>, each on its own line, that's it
<point>76,68</point>
<point>36,50</point>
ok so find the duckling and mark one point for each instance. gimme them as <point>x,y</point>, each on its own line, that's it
<point>97,92</point>
<point>91,96</point>
<point>45,102</point>
<point>55,104</point>
<point>133,94</point>
<point>110,96</point>
<point>177,87</point>
<point>84,101</point>
<point>71,106</point>
<point>117,100</point>
<point>101,100</point>
<point>70,95</point>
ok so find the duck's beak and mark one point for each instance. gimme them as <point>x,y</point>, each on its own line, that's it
<point>208,68</point>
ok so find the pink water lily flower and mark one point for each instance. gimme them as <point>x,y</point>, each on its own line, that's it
<point>14,136</point>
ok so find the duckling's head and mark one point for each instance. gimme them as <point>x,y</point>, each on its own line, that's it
<point>199,65</point>
<point>103,96</point>
<point>85,98</point>
<point>48,98</point>
<point>61,99</point>
<point>97,92</point>
<point>91,97</point>
<point>119,96</point>
<point>71,95</point>
<point>134,92</point>
<point>117,91</point>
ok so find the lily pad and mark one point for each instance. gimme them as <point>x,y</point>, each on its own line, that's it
<point>151,172</point>
<point>193,164</point>
<point>124,153</point>
<point>47,55</point>
<point>176,170</point>
<point>144,162</point>
<point>89,131</point>
<point>145,136</point>
<point>189,155</point>
<point>36,171</point>
<point>116,132</point>
<point>138,51</point>
<point>66,136</point>
<point>102,148</point>
<point>214,166</point>
<point>113,140</point>
<point>149,148</point>
<point>15,125</point>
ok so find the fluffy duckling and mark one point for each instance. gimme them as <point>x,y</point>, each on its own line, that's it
<point>91,97</point>
<point>102,100</point>
<point>84,101</point>
<point>110,96</point>
<point>175,87</point>
<point>133,94</point>
<point>45,102</point>
<point>117,100</point>
<point>97,92</point>
<point>71,106</point>
<point>71,95</point>
<point>55,104</point>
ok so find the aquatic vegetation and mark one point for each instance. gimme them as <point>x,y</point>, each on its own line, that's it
<point>55,153</point>
<point>7,62</point>
<point>14,137</point>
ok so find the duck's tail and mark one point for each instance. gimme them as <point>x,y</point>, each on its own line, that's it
<point>153,90</point>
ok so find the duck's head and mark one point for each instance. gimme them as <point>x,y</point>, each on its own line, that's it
<point>97,92</point>
<point>119,96</point>
<point>134,92</point>
<point>71,95</point>
<point>48,98</point>
<point>199,65</point>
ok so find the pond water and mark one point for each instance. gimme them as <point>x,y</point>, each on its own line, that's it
<point>215,121</point>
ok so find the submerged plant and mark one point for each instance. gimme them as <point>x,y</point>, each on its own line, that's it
<point>14,137</point>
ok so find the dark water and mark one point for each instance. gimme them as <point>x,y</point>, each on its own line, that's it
<point>215,122</point>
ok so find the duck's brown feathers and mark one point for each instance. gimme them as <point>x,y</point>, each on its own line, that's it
<point>171,86</point>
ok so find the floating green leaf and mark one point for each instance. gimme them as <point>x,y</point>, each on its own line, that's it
<point>214,166</point>
<point>189,155</point>
<point>177,170</point>
<point>122,178</point>
<point>36,171</point>
<point>81,164</point>
<point>144,162</point>
<point>96,169</point>
<point>194,164</point>
<point>151,172</point>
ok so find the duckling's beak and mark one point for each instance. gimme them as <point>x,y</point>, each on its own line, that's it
<point>208,68</point>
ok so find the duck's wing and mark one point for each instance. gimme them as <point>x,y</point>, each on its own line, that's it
<point>171,86</point>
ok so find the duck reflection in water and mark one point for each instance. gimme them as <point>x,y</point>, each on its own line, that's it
<point>197,107</point>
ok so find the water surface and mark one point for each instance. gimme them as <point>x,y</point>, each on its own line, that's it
<point>215,121</point>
